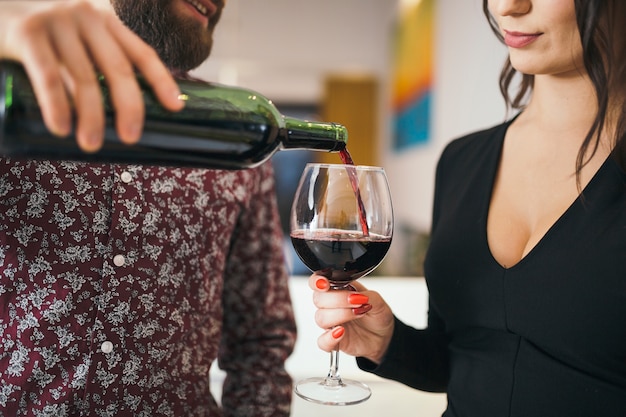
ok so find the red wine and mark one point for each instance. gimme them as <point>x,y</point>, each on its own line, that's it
<point>341,257</point>
<point>346,158</point>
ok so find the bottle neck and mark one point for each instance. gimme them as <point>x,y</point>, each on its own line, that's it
<point>303,134</point>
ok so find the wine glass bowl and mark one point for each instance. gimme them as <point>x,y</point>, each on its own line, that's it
<point>341,257</point>
<point>341,227</point>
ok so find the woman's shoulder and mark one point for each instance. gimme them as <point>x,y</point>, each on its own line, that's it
<point>475,151</point>
<point>478,141</point>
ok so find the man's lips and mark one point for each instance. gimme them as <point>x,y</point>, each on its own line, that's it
<point>204,7</point>
<point>519,39</point>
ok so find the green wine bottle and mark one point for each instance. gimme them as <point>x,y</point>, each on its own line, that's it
<point>220,127</point>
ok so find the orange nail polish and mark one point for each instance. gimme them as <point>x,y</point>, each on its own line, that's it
<point>362,310</point>
<point>322,284</point>
<point>338,332</point>
<point>357,298</point>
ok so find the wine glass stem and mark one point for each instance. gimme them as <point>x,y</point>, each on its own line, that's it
<point>334,379</point>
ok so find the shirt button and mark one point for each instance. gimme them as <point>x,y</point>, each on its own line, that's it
<point>126,177</point>
<point>106,347</point>
<point>119,260</point>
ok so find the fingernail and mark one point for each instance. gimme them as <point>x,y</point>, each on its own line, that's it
<point>322,284</point>
<point>134,132</point>
<point>92,142</point>
<point>94,138</point>
<point>338,332</point>
<point>358,298</point>
<point>62,130</point>
<point>362,310</point>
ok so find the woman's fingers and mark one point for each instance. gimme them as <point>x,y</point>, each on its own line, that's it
<point>331,338</point>
<point>337,306</point>
<point>318,283</point>
<point>321,283</point>
<point>327,318</point>
<point>360,320</point>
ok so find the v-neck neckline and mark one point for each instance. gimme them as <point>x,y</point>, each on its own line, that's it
<point>546,236</point>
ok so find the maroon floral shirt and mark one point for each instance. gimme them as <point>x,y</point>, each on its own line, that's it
<point>120,285</point>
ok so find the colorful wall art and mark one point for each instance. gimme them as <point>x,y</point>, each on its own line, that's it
<point>413,74</point>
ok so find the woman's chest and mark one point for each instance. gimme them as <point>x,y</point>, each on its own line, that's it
<point>567,292</point>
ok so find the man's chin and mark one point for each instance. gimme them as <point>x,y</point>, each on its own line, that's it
<point>181,61</point>
<point>182,41</point>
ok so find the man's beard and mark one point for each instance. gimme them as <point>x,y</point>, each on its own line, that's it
<point>182,44</point>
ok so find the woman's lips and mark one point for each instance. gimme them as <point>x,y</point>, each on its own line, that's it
<point>519,39</point>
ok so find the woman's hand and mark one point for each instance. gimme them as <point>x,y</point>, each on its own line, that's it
<point>362,321</point>
<point>63,46</point>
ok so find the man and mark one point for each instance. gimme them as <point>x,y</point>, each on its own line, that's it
<point>121,284</point>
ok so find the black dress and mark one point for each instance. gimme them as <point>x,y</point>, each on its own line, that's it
<point>546,337</point>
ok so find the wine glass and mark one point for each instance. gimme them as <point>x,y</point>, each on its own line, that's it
<point>341,227</point>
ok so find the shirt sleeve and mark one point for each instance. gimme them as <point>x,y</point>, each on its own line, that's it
<point>259,328</point>
<point>415,357</point>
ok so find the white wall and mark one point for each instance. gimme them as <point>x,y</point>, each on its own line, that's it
<point>283,49</point>
<point>468,59</point>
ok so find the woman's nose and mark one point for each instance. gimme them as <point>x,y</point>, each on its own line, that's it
<point>509,7</point>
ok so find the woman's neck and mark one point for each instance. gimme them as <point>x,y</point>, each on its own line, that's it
<point>560,114</point>
<point>562,104</point>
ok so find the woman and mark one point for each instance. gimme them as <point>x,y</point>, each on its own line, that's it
<point>526,269</point>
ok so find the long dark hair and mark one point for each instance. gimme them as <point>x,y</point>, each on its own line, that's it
<point>601,65</point>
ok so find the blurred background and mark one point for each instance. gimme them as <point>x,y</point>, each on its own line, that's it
<point>405,77</point>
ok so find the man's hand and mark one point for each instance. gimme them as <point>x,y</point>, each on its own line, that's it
<point>63,46</point>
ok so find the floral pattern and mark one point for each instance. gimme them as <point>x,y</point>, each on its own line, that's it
<point>120,285</point>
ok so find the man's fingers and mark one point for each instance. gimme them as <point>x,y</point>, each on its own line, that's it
<point>64,47</point>
<point>147,62</point>
<point>119,75</point>
<point>44,70</point>
<point>81,82</point>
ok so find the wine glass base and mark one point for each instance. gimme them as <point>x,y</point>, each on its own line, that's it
<point>341,392</point>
